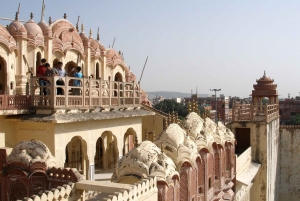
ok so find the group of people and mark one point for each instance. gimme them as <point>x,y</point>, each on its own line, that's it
<point>45,70</point>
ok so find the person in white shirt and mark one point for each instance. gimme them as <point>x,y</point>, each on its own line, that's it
<point>60,72</point>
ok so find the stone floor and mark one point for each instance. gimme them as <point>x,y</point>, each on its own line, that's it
<point>103,175</point>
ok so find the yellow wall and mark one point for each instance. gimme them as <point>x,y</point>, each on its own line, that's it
<point>152,123</point>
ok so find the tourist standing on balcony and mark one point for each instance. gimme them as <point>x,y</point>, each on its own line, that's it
<point>62,73</point>
<point>76,83</point>
<point>41,72</point>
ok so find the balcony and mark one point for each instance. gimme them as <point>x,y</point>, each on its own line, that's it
<point>254,113</point>
<point>90,93</point>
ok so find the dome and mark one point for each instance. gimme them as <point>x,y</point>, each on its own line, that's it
<point>95,48</point>
<point>32,151</point>
<point>113,58</point>
<point>45,28</point>
<point>265,83</point>
<point>146,160</point>
<point>7,39</point>
<point>33,28</point>
<point>85,39</point>
<point>65,37</point>
<point>17,29</point>
<point>193,124</point>
<point>178,146</point>
<point>34,33</point>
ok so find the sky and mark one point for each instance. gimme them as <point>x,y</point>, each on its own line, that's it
<point>208,44</point>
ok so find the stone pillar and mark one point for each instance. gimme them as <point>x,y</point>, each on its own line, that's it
<point>2,139</point>
<point>87,61</point>
<point>104,154</point>
<point>21,77</point>
<point>103,66</point>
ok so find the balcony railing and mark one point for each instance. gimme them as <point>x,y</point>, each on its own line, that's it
<point>87,93</point>
<point>13,102</point>
<point>249,112</point>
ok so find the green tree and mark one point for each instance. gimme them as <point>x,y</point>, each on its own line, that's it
<point>295,120</point>
<point>169,105</point>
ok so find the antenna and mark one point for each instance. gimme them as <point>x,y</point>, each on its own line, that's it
<point>143,70</point>
<point>196,90</point>
<point>113,43</point>
<point>19,8</point>
<point>43,10</point>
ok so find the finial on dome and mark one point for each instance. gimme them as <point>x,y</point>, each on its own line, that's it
<point>31,15</point>
<point>189,107</point>
<point>50,21</point>
<point>153,136</point>
<point>17,16</point>
<point>146,136</point>
<point>91,33</point>
<point>65,15</point>
<point>165,123</point>
<point>98,35</point>
<point>82,28</point>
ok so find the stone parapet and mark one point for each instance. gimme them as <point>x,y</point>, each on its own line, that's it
<point>62,193</point>
<point>145,190</point>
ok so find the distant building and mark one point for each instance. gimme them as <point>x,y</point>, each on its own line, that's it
<point>157,100</point>
<point>178,100</point>
<point>223,106</point>
<point>288,108</point>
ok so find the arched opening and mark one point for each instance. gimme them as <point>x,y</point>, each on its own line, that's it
<point>201,177</point>
<point>110,152</point>
<point>76,151</point>
<point>55,63</point>
<point>38,60</point>
<point>208,173</point>
<point>184,181</point>
<point>2,76</point>
<point>70,68</point>
<point>129,138</point>
<point>217,165</point>
<point>170,193</point>
<point>118,77</point>
<point>97,71</point>
<point>99,154</point>
<point>17,191</point>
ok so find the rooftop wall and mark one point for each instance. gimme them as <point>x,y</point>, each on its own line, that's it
<point>289,180</point>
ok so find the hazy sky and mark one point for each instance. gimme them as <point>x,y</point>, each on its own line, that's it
<point>209,44</point>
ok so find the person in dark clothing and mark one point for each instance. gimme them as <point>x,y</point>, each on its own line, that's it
<point>42,81</point>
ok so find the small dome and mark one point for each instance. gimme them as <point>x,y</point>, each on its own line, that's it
<point>84,38</point>
<point>45,28</point>
<point>7,39</point>
<point>33,29</point>
<point>32,151</point>
<point>146,160</point>
<point>265,83</point>
<point>16,28</point>
<point>193,124</point>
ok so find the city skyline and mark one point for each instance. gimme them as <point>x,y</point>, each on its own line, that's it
<point>224,45</point>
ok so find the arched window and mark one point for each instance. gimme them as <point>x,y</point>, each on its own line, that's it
<point>118,77</point>
<point>2,75</point>
<point>97,71</point>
